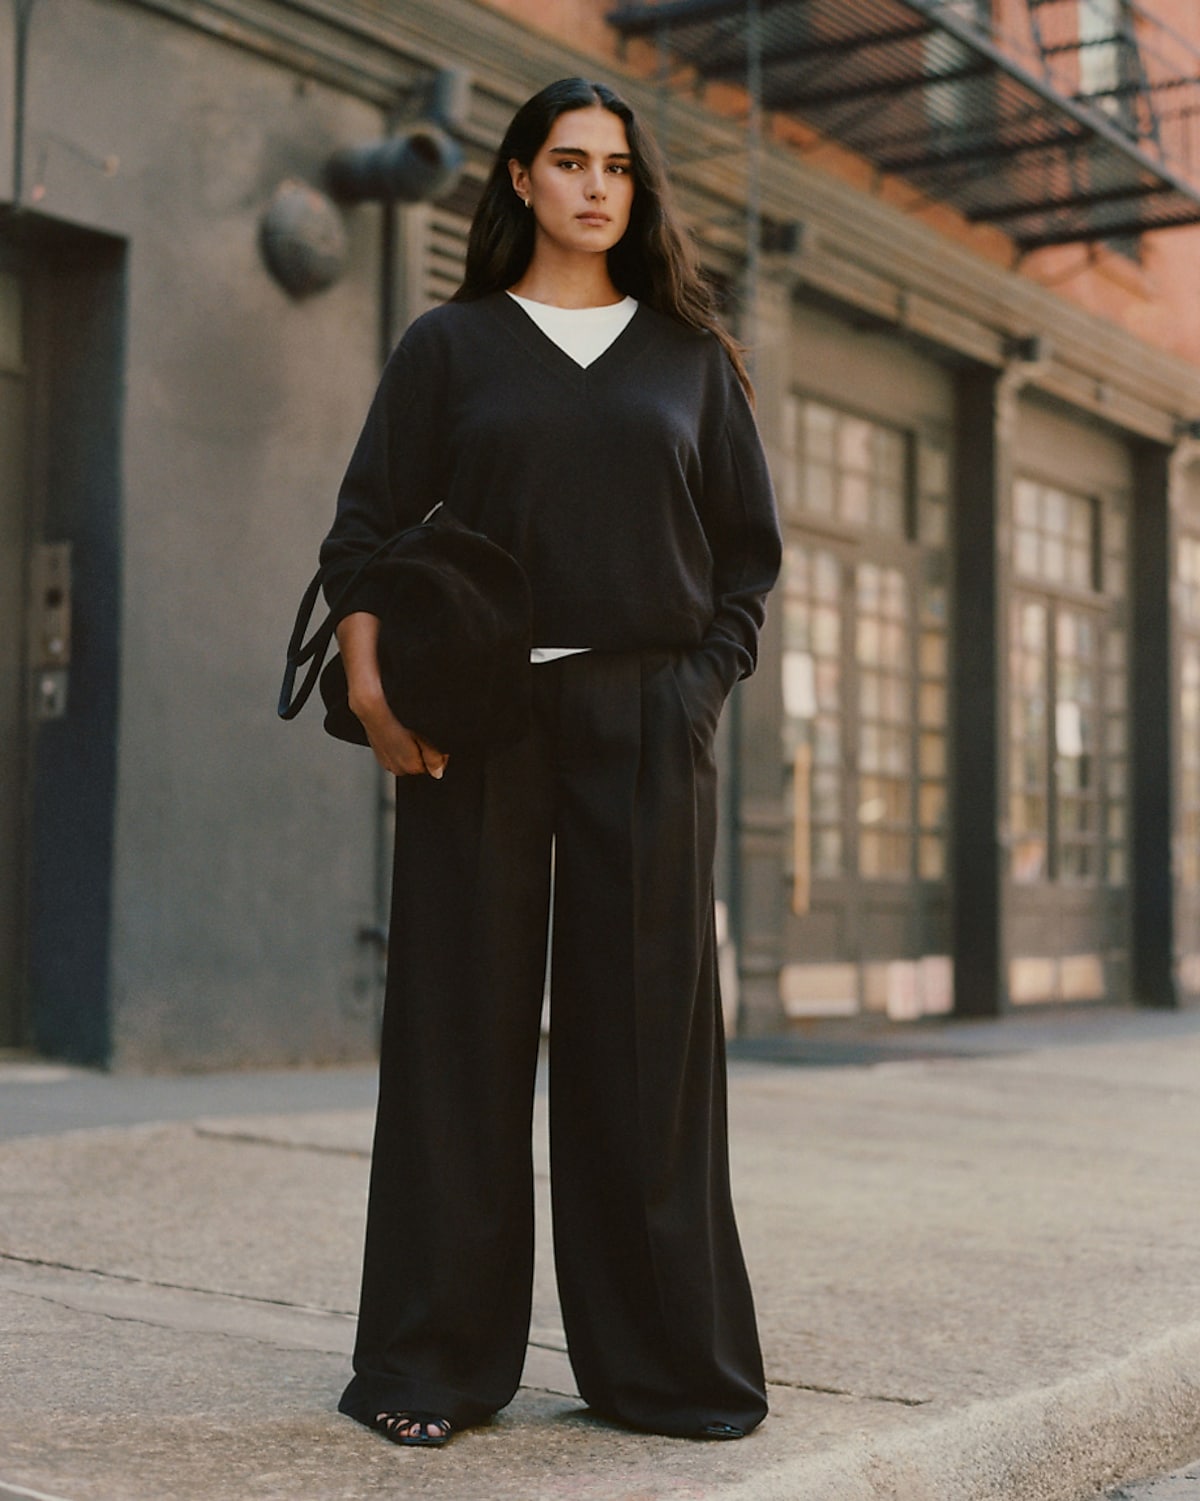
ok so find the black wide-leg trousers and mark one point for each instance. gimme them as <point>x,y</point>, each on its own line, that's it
<point>618,772</point>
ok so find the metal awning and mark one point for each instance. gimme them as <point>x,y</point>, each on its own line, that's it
<point>922,92</point>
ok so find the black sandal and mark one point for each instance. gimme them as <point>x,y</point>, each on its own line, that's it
<point>414,1429</point>
<point>722,1430</point>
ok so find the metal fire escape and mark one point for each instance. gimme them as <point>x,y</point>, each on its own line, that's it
<point>1084,125</point>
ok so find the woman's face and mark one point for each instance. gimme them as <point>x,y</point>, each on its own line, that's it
<point>580,183</point>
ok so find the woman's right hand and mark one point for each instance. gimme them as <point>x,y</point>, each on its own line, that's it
<point>397,749</point>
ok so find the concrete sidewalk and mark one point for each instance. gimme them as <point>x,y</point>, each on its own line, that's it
<point>977,1262</point>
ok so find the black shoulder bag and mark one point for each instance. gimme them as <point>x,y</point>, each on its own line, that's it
<point>454,639</point>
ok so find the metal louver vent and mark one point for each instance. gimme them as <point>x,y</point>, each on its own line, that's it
<point>445,255</point>
<point>435,244</point>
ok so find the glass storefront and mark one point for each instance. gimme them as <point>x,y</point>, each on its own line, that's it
<point>864,677</point>
<point>1068,732</point>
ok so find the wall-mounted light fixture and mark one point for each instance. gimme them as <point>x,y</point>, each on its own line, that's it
<point>303,239</point>
<point>302,236</point>
<point>421,161</point>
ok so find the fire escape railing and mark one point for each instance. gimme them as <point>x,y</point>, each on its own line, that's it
<point>1085,127</point>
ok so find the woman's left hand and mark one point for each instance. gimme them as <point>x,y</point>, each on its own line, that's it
<point>702,688</point>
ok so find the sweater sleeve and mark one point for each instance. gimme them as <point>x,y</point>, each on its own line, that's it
<point>392,481</point>
<point>742,527</point>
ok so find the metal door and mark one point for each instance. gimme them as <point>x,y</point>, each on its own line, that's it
<point>14,542</point>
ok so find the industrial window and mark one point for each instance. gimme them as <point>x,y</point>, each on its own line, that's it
<point>812,701</point>
<point>845,469</point>
<point>1100,52</point>
<point>1068,710</point>
<point>884,653</point>
<point>1054,536</point>
<point>865,655</point>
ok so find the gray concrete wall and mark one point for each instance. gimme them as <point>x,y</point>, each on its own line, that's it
<point>244,850</point>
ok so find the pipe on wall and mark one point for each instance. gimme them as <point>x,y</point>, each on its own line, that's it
<point>23,15</point>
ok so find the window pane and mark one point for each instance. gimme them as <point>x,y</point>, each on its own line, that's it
<point>826,630</point>
<point>933,604</point>
<point>1025,504</point>
<point>828,578</point>
<point>889,449</point>
<point>887,508</point>
<point>1114,577</point>
<point>933,704</point>
<point>1079,568</point>
<point>827,852</point>
<point>1029,859</point>
<point>818,489</point>
<point>820,424</point>
<point>853,490</point>
<point>797,626</point>
<point>827,795</point>
<point>933,654</point>
<point>932,805</point>
<point>854,444</point>
<point>933,522</point>
<point>933,469</point>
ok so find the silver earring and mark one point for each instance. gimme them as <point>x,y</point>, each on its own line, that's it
<point>527,202</point>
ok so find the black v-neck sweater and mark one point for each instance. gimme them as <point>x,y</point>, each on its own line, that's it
<point>634,492</point>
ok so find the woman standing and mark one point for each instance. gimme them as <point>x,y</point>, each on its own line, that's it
<point>578,403</point>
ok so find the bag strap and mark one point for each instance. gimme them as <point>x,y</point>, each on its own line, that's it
<point>315,649</point>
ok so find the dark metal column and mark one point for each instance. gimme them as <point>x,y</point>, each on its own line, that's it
<point>1153,763</point>
<point>986,422</point>
<point>755,808</point>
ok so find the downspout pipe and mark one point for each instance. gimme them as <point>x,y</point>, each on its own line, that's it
<point>23,16</point>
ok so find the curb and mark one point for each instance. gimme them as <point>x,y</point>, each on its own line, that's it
<point>1131,1417</point>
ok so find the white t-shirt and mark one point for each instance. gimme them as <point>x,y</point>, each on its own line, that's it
<point>584,333</point>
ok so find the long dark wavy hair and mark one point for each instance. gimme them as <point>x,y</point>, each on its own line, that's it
<point>653,261</point>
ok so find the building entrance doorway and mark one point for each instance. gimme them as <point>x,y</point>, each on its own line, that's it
<point>61,347</point>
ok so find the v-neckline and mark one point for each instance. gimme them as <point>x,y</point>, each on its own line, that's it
<point>543,348</point>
